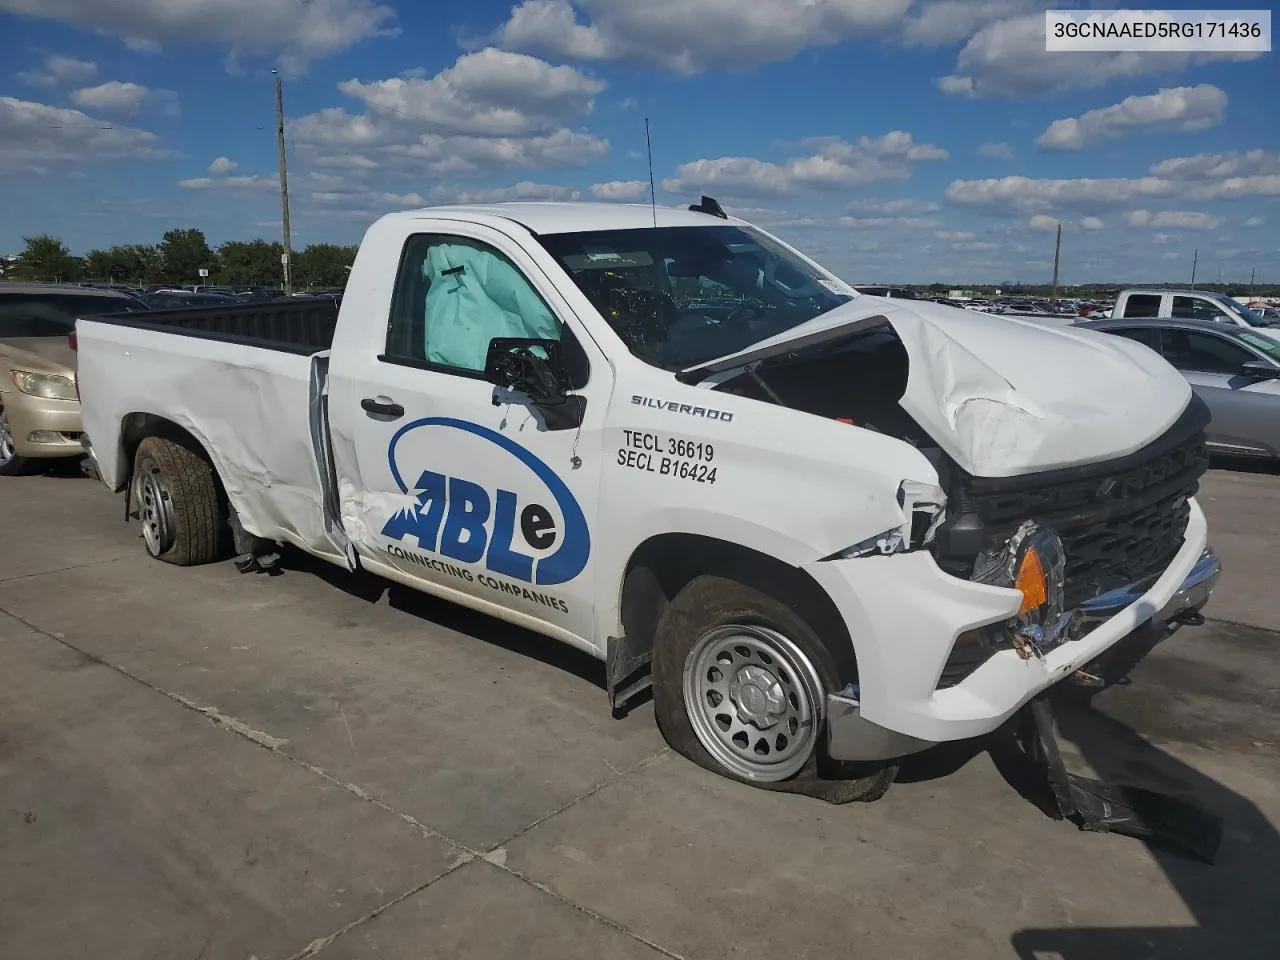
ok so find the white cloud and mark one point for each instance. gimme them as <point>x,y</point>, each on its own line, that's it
<point>1224,176</point>
<point>620,190</point>
<point>38,136</point>
<point>1042,222</point>
<point>1175,219</point>
<point>222,165</point>
<point>693,35</point>
<point>524,190</point>
<point>954,235</point>
<point>58,70</point>
<point>950,21</point>
<point>996,151</point>
<point>833,164</point>
<point>893,208</point>
<point>488,93</point>
<point>491,110</point>
<point>1176,108</point>
<point>1007,58</point>
<point>298,30</point>
<point>910,223</point>
<point>1219,166</point>
<point>256,181</point>
<point>128,98</point>
<point>125,97</point>
<point>1092,223</point>
<point>1164,239</point>
<point>1253,223</point>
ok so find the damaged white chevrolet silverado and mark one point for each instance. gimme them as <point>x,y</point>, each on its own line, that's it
<point>830,530</point>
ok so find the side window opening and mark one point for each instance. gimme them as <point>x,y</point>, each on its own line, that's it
<point>453,295</point>
<point>1202,352</point>
<point>1143,305</point>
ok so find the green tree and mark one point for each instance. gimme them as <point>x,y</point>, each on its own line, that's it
<point>183,254</point>
<point>323,265</point>
<point>45,257</point>
<point>127,263</point>
<point>250,262</point>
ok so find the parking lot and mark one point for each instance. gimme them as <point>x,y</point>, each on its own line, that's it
<point>200,764</point>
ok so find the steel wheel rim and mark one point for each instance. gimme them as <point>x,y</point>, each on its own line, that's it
<point>155,511</point>
<point>6,441</point>
<point>754,700</point>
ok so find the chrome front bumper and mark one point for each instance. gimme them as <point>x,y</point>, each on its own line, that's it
<point>850,736</point>
<point>1192,595</point>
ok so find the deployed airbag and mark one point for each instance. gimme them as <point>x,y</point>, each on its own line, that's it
<point>474,295</point>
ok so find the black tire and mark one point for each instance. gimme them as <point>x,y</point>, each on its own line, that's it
<point>708,602</point>
<point>199,522</point>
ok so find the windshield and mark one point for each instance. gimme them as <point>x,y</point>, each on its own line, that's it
<point>680,296</point>
<point>53,314</point>
<point>1251,317</point>
<point>1262,343</point>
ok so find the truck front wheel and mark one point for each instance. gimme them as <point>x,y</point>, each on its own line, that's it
<point>176,503</point>
<point>740,683</point>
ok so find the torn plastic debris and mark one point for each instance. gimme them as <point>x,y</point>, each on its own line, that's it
<point>925,507</point>
<point>1100,807</point>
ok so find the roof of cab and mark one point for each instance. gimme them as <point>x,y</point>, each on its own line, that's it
<point>575,217</point>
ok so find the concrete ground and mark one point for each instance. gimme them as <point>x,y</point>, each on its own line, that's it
<point>197,764</point>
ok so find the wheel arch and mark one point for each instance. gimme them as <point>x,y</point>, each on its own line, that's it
<point>663,564</point>
<point>136,427</point>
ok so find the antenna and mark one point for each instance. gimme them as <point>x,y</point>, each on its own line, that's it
<point>653,197</point>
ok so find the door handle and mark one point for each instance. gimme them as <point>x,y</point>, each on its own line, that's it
<point>382,408</point>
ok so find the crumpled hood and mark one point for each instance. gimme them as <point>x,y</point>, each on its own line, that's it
<point>40,355</point>
<point>1004,396</point>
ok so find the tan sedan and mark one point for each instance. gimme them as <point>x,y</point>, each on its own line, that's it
<point>39,404</point>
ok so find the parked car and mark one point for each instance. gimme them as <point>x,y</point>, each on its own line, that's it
<point>526,409</point>
<point>39,405</point>
<point>178,299</point>
<point>1201,305</point>
<point>1235,370</point>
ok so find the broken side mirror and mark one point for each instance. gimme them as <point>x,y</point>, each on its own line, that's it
<point>536,369</point>
<point>527,365</point>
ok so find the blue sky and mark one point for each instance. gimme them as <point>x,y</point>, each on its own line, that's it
<point>893,140</point>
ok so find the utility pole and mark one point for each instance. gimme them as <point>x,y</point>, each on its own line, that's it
<point>1057,253</point>
<point>1194,260</point>
<point>1252,276</point>
<point>287,256</point>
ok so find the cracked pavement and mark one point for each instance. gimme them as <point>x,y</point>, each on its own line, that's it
<point>199,764</point>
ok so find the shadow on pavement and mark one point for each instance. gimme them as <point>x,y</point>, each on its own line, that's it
<point>1235,901</point>
<point>451,616</point>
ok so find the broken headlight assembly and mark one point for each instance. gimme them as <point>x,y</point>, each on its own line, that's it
<point>924,505</point>
<point>1032,562</point>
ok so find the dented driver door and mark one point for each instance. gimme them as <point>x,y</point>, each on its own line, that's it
<point>448,482</point>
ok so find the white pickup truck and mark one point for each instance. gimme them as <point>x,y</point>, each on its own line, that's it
<point>839,529</point>
<point>1191,305</point>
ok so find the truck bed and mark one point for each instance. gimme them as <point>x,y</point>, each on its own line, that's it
<point>303,326</point>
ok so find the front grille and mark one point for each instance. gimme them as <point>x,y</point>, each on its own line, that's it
<point>1120,521</point>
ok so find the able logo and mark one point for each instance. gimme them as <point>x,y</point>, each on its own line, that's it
<point>468,522</point>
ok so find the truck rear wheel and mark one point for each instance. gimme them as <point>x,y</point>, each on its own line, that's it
<point>175,499</point>
<point>740,683</point>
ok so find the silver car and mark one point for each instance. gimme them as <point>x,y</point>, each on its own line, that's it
<point>1235,370</point>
